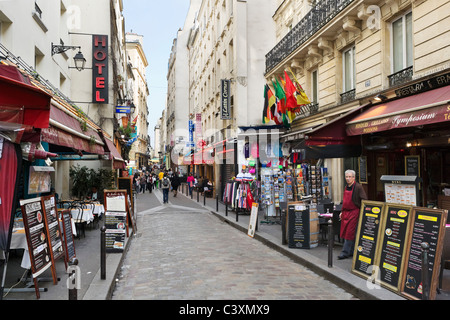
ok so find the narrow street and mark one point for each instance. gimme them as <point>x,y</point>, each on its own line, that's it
<point>182,252</point>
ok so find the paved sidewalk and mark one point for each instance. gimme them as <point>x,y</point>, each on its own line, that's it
<point>93,288</point>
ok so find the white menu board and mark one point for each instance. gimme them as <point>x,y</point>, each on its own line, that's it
<point>404,194</point>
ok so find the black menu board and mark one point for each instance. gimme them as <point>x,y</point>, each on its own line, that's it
<point>428,225</point>
<point>412,166</point>
<point>53,229</point>
<point>36,233</point>
<point>69,244</point>
<point>115,222</point>
<point>393,243</point>
<point>298,227</point>
<point>367,236</point>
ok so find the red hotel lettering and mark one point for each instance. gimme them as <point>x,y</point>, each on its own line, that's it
<point>100,70</point>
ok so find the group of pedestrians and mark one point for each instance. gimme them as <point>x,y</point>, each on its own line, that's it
<point>165,180</point>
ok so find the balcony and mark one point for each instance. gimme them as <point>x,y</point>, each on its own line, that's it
<point>348,96</point>
<point>400,77</point>
<point>320,14</point>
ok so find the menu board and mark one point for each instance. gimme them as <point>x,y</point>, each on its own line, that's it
<point>298,227</point>
<point>53,229</point>
<point>115,223</point>
<point>362,166</point>
<point>68,234</point>
<point>412,165</point>
<point>393,243</point>
<point>428,225</point>
<point>35,230</point>
<point>33,220</point>
<point>367,236</point>
<point>401,193</point>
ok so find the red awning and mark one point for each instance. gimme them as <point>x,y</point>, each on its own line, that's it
<point>118,162</point>
<point>333,132</point>
<point>417,110</point>
<point>20,101</point>
<point>65,130</point>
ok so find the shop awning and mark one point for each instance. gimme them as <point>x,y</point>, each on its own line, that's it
<point>114,155</point>
<point>334,131</point>
<point>65,130</point>
<point>20,101</point>
<point>417,110</point>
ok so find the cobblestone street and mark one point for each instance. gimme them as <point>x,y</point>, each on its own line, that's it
<point>181,251</point>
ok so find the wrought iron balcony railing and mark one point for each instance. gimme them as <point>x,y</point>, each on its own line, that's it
<point>400,77</point>
<point>320,14</point>
<point>348,96</point>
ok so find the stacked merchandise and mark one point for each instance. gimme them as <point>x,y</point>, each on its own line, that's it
<point>301,181</point>
<point>267,190</point>
<point>326,184</point>
<point>289,186</point>
<point>315,183</point>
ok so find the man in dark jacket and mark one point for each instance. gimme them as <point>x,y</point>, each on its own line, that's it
<point>175,183</point>
<point>353,194</point>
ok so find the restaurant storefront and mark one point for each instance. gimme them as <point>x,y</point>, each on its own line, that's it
<point>408,135</point>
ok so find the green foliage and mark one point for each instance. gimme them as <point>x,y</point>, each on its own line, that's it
<point>83,179</point>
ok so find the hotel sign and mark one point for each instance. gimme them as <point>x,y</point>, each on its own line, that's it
<point>100,69</point>
<point>225,107</point>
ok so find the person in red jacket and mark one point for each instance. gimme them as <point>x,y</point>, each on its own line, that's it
<point>351,204</point>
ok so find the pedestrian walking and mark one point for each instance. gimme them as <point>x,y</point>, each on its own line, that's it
<point>149,183</point>
<point>175,184</point>
<point>353,194</point>
<point>143,183</point>
<point>165,186</point>
<point>190,183</point>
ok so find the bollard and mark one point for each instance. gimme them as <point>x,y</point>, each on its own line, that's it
<point>330,243</point>
<point>226,208</point>
<point>237,211</point>
<point>204,198</point>
<point>103,253</point>
<point>72,281</point>
<point>283,227</point>
<point>425,282</point>
<point>198,194</point>
<point>217,203</point>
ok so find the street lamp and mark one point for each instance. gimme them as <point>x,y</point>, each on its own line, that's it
<point>79,59</point>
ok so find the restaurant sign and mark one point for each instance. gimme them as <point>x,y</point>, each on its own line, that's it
<point>100,69</point>
<point>396,121</point>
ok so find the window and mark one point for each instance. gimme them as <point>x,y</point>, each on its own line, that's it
<point>349,69</point>
<point>402,47</point>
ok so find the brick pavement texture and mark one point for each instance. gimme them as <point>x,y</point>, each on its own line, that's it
<point>189,255</point>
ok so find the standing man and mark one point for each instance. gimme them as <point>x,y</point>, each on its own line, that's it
<point>353,194</point>
<point>165,186</point>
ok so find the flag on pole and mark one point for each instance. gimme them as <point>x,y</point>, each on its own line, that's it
<point>269,101</point>
<point>281,103</point>
<point>302,98</point>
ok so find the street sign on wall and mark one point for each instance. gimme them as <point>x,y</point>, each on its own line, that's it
<point>225,106</point>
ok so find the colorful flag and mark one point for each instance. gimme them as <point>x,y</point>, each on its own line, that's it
<point>302,98</point>
<point>281,103</point>
<point>291,93</point>
<point>269,101</point>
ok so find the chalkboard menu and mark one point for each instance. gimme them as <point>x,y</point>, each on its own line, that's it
<point>125,183</point>
<point>37,239</point>
<point>393,244</point>
<point>412,166</point>
<point>68,234</point>
<point>428,225</point>
<point>53,229</point>
<point>367,236</point>
<point>298,227</point>
<point>362,165</point>
<point>115,231</point>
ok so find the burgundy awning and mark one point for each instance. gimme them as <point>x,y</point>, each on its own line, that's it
<point>333,132</point>
<point>417,110</point>
<point>20,101</point>
<point>65,130</point>
<point>118,162</point>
